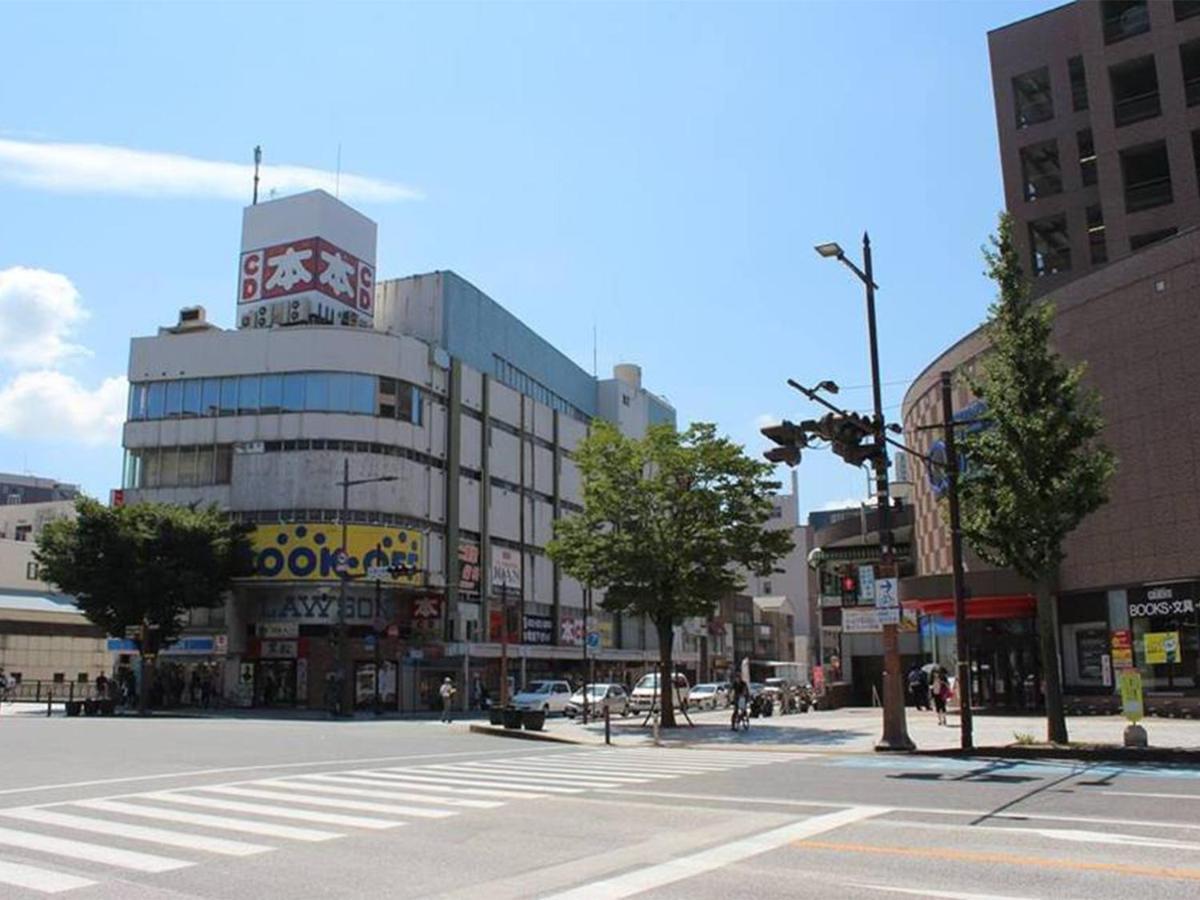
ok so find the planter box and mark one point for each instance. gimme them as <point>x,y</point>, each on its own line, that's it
<point>90,708</point>
<point>108,707</point>
<point>74,707</point>
<point>496,716</point>
<point>511,718</point>
<point>533,719</point>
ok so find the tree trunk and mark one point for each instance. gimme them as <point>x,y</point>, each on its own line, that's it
<point>1056,720</point>
<point>666,679</point>
<point>147,680</point>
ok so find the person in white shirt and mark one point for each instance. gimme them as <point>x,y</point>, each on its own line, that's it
<point>447,693</point>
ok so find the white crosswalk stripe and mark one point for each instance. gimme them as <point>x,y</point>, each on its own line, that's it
<point>318,806</point>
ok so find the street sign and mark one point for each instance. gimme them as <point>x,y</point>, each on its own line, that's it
<point>888,615</point>
<point>369,642</point>
<point>866,582</point>
<point>593,639</point>
<point>886,595</point>
<point>1130,683</point>
<point>1122,648</point>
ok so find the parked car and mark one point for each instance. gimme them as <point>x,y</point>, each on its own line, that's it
<point>548,696</point>
<point>710,695</point>
<point>645,692</point>
<point>600,697</point>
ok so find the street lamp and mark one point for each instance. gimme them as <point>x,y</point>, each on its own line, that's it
<point>895,729</point>
<point>343,561</point>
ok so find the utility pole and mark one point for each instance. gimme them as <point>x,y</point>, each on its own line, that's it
<point>956,552</point>
<point>504,644</point>
<point>344,561</point>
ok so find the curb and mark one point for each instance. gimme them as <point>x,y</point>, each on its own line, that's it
<point>522,735</point>
<point>1176,755</point>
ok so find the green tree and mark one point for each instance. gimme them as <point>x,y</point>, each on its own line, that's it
<point>148,563</point>
<point>1040,467</point>
<point>668,519</point>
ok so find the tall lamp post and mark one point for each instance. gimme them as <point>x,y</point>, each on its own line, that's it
<point>346,686</point>
<point>895,728</point>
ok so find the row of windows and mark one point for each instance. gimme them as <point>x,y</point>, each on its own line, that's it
<point>239,395</point>
<point>186,466</point>
<point>508,374</point>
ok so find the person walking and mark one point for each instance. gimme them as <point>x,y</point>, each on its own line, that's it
<point>447,693</point>
<point>941,693</point>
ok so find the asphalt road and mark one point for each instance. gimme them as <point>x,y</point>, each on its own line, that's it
<point>104,808</point>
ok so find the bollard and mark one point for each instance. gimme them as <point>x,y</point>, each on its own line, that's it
<point>607,725</point>
<point>49,702</point>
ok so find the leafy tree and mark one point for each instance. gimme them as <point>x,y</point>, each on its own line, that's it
<point>148,563</point>
<point>1040,467</point>
<point>667,521</point>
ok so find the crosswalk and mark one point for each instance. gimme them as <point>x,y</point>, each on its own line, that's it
<point>63,846</point>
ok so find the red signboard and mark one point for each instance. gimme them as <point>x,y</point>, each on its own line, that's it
<point>818,673</point>
<point>303,266</point>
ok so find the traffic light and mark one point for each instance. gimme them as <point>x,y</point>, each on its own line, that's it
<point>791,440</point>
<point>848,582</point>
<point>845,435</point>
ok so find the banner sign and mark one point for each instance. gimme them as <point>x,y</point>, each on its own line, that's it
<point>320,608</point>
<point>538,630</point>
<point>468,567</point>
<point>309,551</point>
<point>1162,600</point>
<point>866,582</point>
<point>1129,681</point>
<point>1122,649</point>
<point>570,631</point>
<point>506,569</point>
<point>861,621</point>
<point>1161,647</point>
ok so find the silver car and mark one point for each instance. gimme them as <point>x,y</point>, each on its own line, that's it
<point>710,695</point>
<point>599,698</point>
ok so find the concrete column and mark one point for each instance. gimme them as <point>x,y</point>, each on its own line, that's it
<point>465,690</point>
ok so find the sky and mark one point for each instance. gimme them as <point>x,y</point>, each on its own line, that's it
<point>656,172</point>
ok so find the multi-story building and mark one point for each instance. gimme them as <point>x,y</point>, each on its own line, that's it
<point>15,489</point>
<point>1098,112</point>
<point>453,424</point>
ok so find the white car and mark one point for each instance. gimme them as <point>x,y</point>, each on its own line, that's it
<point>712,695</point>
<point>600,697</point>
<point>548,696</point>
<point>646,692</point>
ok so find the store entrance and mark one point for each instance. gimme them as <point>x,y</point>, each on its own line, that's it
<point>1005,668</point>
<point>275,682</point>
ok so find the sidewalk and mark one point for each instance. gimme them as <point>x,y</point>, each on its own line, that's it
<point>855,730</point>
<point>282,714</point>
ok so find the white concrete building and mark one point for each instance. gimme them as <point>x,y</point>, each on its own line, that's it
<point>468,415</point>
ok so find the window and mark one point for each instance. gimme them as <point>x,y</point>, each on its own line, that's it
<point>174,402</point>
<point>1135,91</point>
<point>271,394</point>
<point>229,395</point>
<point>1087,156</point>
<point>168,466</point>
<point>1040,170</point>
<point>1138,241</point>
<point>339,392</point>
<point>137,401</point>
<point>23,532</point>
<point>1185,9</point>
<point>293,393</point>
<point>1031,93</point>
<point>155,400</point>
<point>1189,61</point>
<point>210,397</point>
<point>1147,175</point>
<point>248,389</point>
<point>223,470</point>
<point>31,571</point>
<point>1050,245</point>
<point>766,587</point>
<point>316,391</point>
<point>624,399</point>
<point>362,394</point>
<point>189,473</point>
<point>204,465</point>
<point>1079,95</point>
<point>1097,238</point>
<point>191,398</point>
<point>1123,19</point>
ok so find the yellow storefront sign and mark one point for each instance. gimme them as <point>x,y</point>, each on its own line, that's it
<point>1129,682</point>
<point>308,551</point>
<point>1161,647</point>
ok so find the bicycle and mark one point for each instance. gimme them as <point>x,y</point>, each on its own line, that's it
<point>741,717</point>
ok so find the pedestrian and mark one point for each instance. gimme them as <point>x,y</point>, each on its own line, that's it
<point>447,693</point>
<point>102,686</point>
<point>941,692</point>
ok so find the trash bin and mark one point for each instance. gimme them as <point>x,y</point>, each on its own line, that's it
<point>496,716</point>
<point>90,708</point>
<point>512,718</point>
<point>533,719</point>
<point>73,707</point>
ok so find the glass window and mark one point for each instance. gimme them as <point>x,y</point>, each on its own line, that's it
<point>1138,241</point>
<point>362,394</point>
<point>248,387</point>
<point>1189,60</point>
<point>1050,245</point>
<point>316,391</point>
<point>1123,19</point>
<point>1147,174</point>
<point>137,401</point>
<point>191,398</point>
<point>210,397</point>
<point>1097,236</point>
<point>150,470</point>
<point>293,393</point>
<point>174,401</point>
<point>204,465</point>
<point>223,468</point>
<point>339,392</point>
<point>168,467</point>
<point>271,399</point>
<point>1041,173</point>
<point>1079,94</point>
<point>229,392</point>
<point>387,385</point>
<point>416,407</point>
<point>188,472</point>
<point>1134,91</point>
<point>155,402</point>
<point>1031,92</point>
<point>1185,9</point>
<point>1087,156</point>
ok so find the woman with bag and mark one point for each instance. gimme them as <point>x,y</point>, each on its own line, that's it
<point>941,693</point>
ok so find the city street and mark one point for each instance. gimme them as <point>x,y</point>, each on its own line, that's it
<point>242,808</point>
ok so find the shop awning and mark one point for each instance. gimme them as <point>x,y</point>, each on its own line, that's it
<point>1014,606</point>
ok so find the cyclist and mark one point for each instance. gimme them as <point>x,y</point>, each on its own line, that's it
<point>741,704</point>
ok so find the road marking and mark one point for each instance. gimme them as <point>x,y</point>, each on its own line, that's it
<point>615,766</point>
<point>294,795</point>
<point>1151,796</point>
<point>1004,859</point>
<point>564,778</point>
<point>1078,836</point>
<point>138,832</point>
<point>432,776</point>
<point>187,773</point>
<point>281,812</point>
<point>410,796</point>
<point>110,856</point>
<point>928,892</point>
<point>42,880</point>
<point>656,876</point>
<point>384,780</point>
<point>229,823</point>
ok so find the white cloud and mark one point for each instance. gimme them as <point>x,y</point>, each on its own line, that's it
<point>105,169</point>
<point>38,310</point>
<point>50,405</point>
<point>765,419</point>
<point>848,503</point>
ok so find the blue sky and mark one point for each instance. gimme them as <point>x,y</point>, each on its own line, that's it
<point>661,170</point>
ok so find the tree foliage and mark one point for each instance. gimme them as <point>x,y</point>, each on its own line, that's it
<point>1039,468</point>
<point>668,519</point>
<point>148,562</point>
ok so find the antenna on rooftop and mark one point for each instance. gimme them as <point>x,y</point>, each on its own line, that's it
<point>257,161</point>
